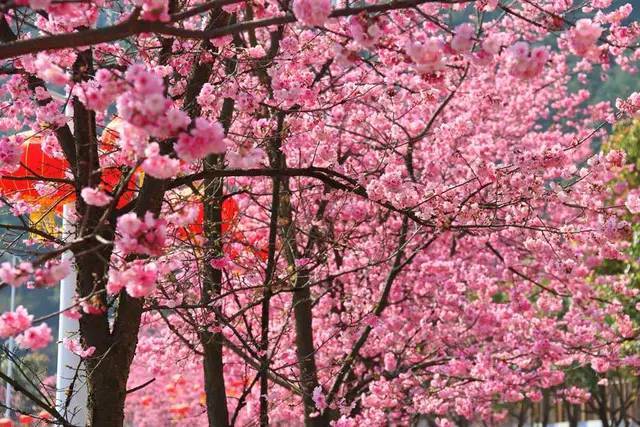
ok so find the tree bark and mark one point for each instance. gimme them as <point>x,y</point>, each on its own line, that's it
<point>214,384</point>
<point>108,368</point>
<point>212,342</point>
<point>301,299</point>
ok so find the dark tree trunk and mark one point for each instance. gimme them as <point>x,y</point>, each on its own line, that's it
<point>214,383</point>
<point>302,307</point>
<point>546,408</point>
<point>211,342</point>
<point>306,350</point>
<point>522,414</point>
<point>108,368</point>
<point>603,406</point>
<point>573,414</point>
<point>108,372</point>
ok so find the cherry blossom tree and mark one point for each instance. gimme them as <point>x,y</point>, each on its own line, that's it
<point>319,213</point>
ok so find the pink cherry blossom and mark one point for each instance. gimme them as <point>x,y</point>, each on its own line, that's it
<point>146,236</point>
<point>462,41</point>
<point>364,32</point>
<point>390,363</point>
<point>631,105</point>
<point>525,63</point>
<point>633,202</point>
<point>158,165</point>
<point>95,197</point>
<point>204,139</point>
<point>75,347</point>
<point>10,154</point>
<point>245,158</point>
<point>142,280</point>
<point>35,338</point>
<point>154,10</point>
<point>52,273</point>
<point>13,323</point>
<point>583,37</point>
<point>319,398</point>
<point>15,275</point>
<point>312,12</point>
<point>139,279</point>
<point>428,55</point>
<point>47,70</point>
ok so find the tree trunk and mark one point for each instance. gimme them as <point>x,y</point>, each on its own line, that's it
<point>603,406</point>
<point>214,384</point>
<point>217,411</point>
<point>522,414</point>
<point>546,408</point>
<point>108,373</point>
<point>108,368</point>
<point>573,414</point>
<point>302,306</point>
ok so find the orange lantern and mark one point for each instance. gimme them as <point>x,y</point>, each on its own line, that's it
<point>44,415</point>
<point>229,213</point>
<point>180,410</point>
<point>111,179</point>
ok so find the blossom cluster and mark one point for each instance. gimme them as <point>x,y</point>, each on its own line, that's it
<point>139,279</point>
<point>525,62</point>
<point>205,138</point>
<point>10,153</point>
<point>312,12</point>
<point>145,105</point>
<point>146,236</point>
<point>584,36</point>
<point>18,324</point>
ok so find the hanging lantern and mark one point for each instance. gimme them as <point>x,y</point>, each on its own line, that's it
<point>37,167</point>
<point>38,180</point>
<point>229,214</point>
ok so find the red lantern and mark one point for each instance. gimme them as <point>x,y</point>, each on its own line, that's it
<point>6,422</point>
<point>111,178</point>
<point>25,419</point>
<point>230,212</point>
<point>229,215</point>
<point>41,167</point>
<point>44,415</point>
